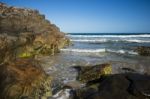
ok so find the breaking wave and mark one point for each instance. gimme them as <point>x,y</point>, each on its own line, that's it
<point>108,40</point>
<point>110,36</point>
<point>84,50</point>
<point>99,51</point>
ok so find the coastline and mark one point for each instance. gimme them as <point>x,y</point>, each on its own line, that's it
<point>34,65</point>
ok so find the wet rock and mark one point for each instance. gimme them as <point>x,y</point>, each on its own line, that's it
<point>128,70</point>
<point>24,78</point>
<point>139,85</point>
<point>143,50</point>
<point>74,85</point>
<point>89,73</point>
<point>117,86</point>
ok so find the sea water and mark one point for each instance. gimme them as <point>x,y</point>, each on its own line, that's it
<point>90,49</point>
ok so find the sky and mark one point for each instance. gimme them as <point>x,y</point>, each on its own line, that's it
<point>93,16</point>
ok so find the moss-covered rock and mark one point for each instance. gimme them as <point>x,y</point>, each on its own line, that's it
<point>116,86</point>
<point>24,78</point>
<point>89,73</point>
<point>24,34</point>
<point>32,33</point>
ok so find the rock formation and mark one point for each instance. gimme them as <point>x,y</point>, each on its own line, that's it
<point>143,50</point>
<point>89,73</point>
<point>23,78</point>
<point>29,32</point>
<point>25,34</point>
<point>96,84</point>
<point>117,86</point>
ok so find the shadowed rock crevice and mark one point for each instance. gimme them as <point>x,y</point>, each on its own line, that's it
<point>128,85</point>
<point>116,86</point>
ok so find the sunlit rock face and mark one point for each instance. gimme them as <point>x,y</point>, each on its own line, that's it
<point>24,35</point>
<point>29,28</point>
<point>23,78</point>
<point>89,73</point>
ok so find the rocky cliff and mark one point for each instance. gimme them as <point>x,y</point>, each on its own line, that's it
<point>28,33</point>
<point>25,34</point>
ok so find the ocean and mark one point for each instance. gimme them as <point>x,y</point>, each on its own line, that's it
<point>90,49</point>
<point>97,43</point>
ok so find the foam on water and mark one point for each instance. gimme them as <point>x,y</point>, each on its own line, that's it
<point>110,36</point>
<point>84,50</point>
<point>122,51</point>
<point>99,51</point>
<point>62,94</point>
<point>109,40</point>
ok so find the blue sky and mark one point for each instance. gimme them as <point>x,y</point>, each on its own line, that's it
<point>102,16</point>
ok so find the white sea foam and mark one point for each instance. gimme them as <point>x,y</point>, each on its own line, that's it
<point>122,51</point>
<point>62,94</point>
<point>110,40</point>
<point>84,50</point>
<point>116,36</point>
<point>138,41</point>
<point>86,40</point>
<point>99,51</point>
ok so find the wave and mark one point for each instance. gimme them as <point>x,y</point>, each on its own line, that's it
<point>138,41</point>
<point>84,50</point>
<point>122,52</point>
<point>110,36</point>
<point>108,40</point>
<point>92,41</point>
<point>99,51</point>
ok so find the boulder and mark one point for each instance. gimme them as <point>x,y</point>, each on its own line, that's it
<point>90,73</point>
<point>117,86</point>
<point>23,78</point>
<point>143,50</point>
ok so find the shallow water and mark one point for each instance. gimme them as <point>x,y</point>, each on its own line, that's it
<point>119,54</point>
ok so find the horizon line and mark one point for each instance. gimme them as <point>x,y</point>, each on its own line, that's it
<point>109,32</point>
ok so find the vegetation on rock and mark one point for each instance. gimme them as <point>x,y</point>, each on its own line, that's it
<point>89,73</point>
<point>30,31</point>
<point>23,78</point>
<point>24,34</point>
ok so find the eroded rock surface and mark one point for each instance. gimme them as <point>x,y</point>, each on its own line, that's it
<point>100,85</point>
<point>29,32</point>
<point>143,50</point>
<point>23,78</point>
<point>24,35</point>
<point>89,73</point>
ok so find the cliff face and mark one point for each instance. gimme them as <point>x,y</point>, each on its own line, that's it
<point>29,31</point>
<point>24,34</point>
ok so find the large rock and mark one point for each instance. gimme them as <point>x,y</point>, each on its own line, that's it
<point>25,34</point>
<point>23,78</point>
<point>89,73</point>
<point>117,86</point>
<point>143,50</point>
<point>29,28</point>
